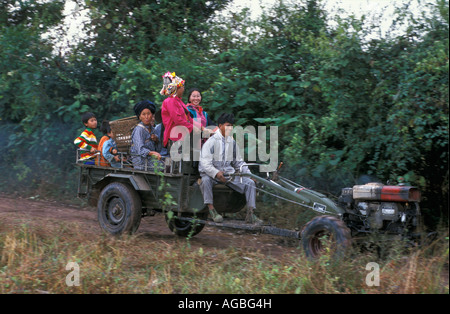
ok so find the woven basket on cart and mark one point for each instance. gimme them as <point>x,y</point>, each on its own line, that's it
<point>122,129</point>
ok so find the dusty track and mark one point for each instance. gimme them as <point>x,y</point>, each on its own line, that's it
<point>17,211</point>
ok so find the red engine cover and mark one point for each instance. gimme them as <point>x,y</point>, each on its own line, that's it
<point>400,193</point>
<point>389,193</point>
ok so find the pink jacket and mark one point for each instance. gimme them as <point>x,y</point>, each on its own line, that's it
<point>174,113</point>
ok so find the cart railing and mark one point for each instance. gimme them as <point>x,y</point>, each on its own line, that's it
<point>170,166</point>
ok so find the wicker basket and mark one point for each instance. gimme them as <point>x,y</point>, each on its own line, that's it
<point>122,129</point>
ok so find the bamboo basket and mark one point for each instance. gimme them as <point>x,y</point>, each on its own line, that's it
<point>122,129</point>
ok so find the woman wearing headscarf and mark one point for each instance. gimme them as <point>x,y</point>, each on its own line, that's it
<point>143,149</point>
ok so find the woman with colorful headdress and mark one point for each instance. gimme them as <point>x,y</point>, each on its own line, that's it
<point>173,111</point>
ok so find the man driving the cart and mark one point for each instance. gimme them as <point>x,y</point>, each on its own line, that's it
<point>219,159</point>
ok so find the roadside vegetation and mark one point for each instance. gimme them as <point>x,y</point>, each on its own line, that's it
<point>34,259</point>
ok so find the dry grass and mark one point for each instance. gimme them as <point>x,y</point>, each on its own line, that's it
<point>33,259</point>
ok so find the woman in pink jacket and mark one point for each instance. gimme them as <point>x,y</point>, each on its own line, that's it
<point>173,111</point>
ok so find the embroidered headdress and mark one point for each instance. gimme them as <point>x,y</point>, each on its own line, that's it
<point>171,82</point>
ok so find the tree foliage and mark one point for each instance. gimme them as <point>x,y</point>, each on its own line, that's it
<point>346,106</point>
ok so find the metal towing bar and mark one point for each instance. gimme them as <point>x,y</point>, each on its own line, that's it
<point>238,224</point>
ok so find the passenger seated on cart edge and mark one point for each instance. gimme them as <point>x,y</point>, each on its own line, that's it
<point>173,110</point>
<point>108,148</point>
<point>220,155</point>
<point>105,129</point>
<point>143,149</point>
<point>198,112</point>
<point>87,140</point>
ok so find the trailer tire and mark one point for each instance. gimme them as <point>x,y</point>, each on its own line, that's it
<point>325,232</point>
<point>184,228</point>
<point>119,209</point>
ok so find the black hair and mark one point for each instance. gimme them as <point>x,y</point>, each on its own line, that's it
<point>105,128</point>
<point>194,89</point>
<point>86,116</point>
<point>225,117</point>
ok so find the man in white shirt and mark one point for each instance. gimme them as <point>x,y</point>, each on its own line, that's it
<point>220,156</point>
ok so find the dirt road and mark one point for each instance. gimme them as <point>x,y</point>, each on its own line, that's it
<point>15,211</point>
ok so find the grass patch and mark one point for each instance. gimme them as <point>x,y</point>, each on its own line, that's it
<point>33,259</point>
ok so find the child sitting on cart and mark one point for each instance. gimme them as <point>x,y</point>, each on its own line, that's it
<point>109,148</point>
<point>87,141</point>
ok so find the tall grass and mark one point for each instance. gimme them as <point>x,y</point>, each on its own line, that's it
<point>33,259</point>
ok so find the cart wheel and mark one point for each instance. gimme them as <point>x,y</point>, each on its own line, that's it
<point>325,233</point>
<point>185,228</point>
<point>119,209</point>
